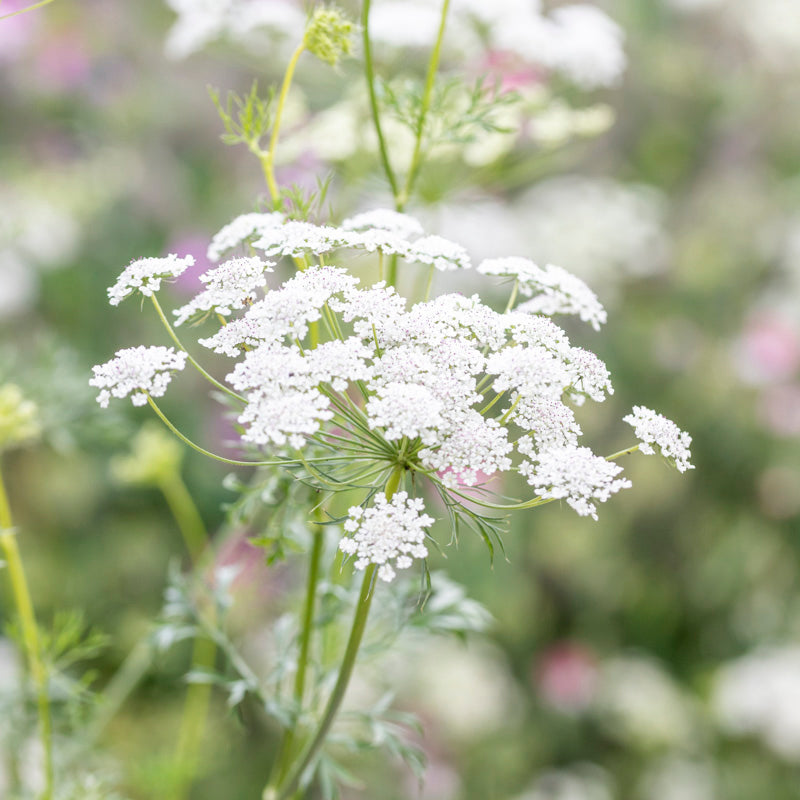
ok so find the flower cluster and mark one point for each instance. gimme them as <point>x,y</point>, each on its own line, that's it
<point>145,276</point>
<point>136,371</point>
<point>390,534</point>
<point>448,389</point>
<point>387,231</point>
<point>660,435</point>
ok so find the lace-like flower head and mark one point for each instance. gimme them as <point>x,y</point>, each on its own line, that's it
<point>145,276</point>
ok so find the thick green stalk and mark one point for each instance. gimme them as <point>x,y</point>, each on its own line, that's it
<point>287,788</point>
<point>30,635</point>
<point>204,652</point>
<point>283,760</point>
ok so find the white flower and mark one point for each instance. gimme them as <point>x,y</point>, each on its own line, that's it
<point>439,252</point>
<point>285,312</point>
<point>385,219</point>
<point>574,474</point>
<point>553,289</point>
<point>244,227</point>
<point>660,435</point>
<point>390,534</point>
<point>228,287</point>
<point>405,409</point>
<point>145,276</point>
<point>759,693</point>
<point>136,371</point>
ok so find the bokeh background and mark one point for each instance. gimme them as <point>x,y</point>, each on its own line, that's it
<point>654,654</point>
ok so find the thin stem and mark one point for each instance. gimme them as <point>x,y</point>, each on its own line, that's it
<point>513,297</point>
<point>27,8</point>
<point>627,451</point>
<point>285,790</point>
<point>491,403</point>
<point>283,463</point>
<point>30,635</point>
<point>369,71</point>
<point>416,159</point>
<point>268,159</point>
<point>431,273</point>
<point>186,516</point>
<point>194,363</point>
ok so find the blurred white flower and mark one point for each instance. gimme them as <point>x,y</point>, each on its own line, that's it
<point>582,781</point>
<point>641,705</point>
<point>605,231</point>
<point>676,778</point>
<point>759,694</point>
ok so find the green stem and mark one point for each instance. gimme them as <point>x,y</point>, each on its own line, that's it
<point>268,158</point>
<point>204,652</point>
<point>430,79</point>
<point>194,363</point>
<point>186,515</point>
<point>284,463</point>
<point>627,451</point>
<point>282,762</point>
<point>373,102</point>
<point>286,789</point>
<point>513,297</point>
<point>431,273</point>
<point>27,8</point>
<point>30,635</point>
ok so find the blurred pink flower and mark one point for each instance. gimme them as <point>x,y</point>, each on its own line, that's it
<point>566,677</point>
<point>195,244</point>
<point>16,32</point>
<point>506,69</point>
<point>779,409</point>
<point>768,350</point>
<point>63,62</point>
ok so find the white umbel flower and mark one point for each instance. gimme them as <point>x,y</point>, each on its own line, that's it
<point>390,534</point>
<point>145,276</point>
<point>228,287</point>
<point>385,219</point>
<point>136,371</point>
<point>244,227</point>
<point>574,474</point>
<point>553,290</point>
<point>660,435</point>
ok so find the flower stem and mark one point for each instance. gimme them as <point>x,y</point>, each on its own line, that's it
<point>30,635</point>
<point>286,789</point>
<point>627,451</point>
<point>513,297</point>
<point>283,760</point>
<point>416,158</point>
<point>373,102</point>
<point>194,363</point>
<point>268,159</point>
<point>235,462</point>
<point>204,652</point>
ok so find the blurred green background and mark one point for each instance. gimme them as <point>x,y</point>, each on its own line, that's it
<point>651,655</point>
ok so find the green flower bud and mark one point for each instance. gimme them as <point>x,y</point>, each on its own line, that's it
<point>154,459</point>
<point>329,35</point>
<point>19,418</point>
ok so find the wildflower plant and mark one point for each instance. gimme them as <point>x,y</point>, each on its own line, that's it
<point>372,401</point>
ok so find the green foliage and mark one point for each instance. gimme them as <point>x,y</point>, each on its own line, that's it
<point>246,118</point>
